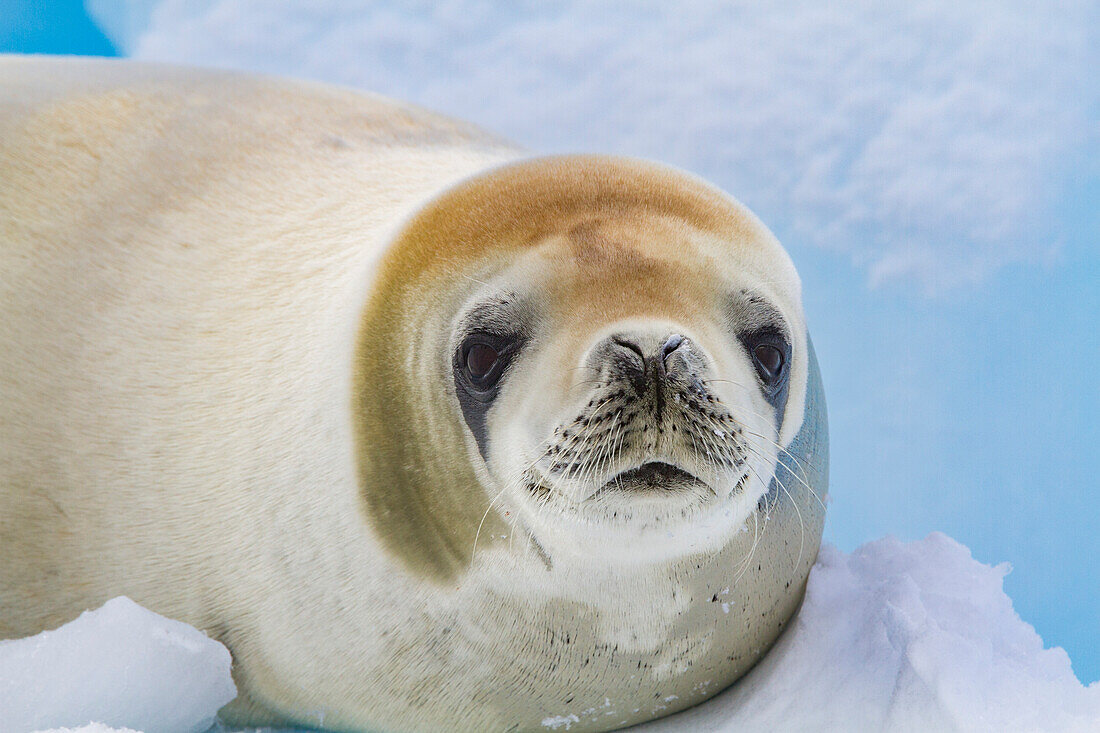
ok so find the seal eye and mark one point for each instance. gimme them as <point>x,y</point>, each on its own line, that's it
<point>769,351</point>
<point>477,366</point>
<point>480,360</point>
<point>769,360</point>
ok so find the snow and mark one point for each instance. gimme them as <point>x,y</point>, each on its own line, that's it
<point>120,666</point>
<point>922,139</point>
<point>904,637</point>
<point>894,637</point>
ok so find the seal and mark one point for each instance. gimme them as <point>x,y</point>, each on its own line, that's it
<point>431,434</point>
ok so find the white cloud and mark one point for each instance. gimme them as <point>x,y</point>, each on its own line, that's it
<point>926,140</point>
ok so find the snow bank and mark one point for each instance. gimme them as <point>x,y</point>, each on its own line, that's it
<point>904,637</point>
<point>121,666</point>
<point>894,637</point>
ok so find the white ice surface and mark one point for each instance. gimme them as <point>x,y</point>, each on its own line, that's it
<point>894,637</point>
<point>904,637</point>
<point>121,666</point>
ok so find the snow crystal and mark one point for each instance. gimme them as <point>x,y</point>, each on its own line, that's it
<point>558,721</point>
<point>121,666</point>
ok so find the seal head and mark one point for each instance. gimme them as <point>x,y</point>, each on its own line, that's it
<point>610,352</point>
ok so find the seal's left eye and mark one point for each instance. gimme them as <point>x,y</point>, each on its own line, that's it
<point>480,360</point>
<point>769,359</point>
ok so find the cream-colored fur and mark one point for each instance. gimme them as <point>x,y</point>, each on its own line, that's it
<point>185,258</point>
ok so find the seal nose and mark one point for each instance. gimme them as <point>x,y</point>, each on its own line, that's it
<point>638,366</point>
<point>673,342</point>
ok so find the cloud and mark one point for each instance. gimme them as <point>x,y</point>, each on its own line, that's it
<point>928,141</point>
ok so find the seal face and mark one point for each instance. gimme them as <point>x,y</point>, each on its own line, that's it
<point>621,347</point>
<point>431,435</point>
<point>627,430</point>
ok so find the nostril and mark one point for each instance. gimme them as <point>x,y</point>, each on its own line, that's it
<point>630,346</point>
<point>639,362</point>
<point>635,369</point>
<point>671,344</point>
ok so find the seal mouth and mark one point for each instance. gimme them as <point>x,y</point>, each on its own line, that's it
<point>652,476</point>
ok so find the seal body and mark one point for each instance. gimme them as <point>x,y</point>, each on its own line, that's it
<point>431,435</point>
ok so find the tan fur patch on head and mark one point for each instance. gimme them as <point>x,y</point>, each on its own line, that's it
<point>631,232</point>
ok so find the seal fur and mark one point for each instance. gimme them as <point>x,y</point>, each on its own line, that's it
<point>227,308</point>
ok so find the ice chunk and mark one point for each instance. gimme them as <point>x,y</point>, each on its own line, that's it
<point>904,637</point>
<point>121,666</point>
<point>894,637</point>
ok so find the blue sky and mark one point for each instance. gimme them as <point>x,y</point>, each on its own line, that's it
<point>934,173</point>
<point>994,439</point>
<point>50,26</point>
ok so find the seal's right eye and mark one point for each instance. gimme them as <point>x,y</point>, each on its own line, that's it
<point>480,360</point>
<point>478,365</point>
